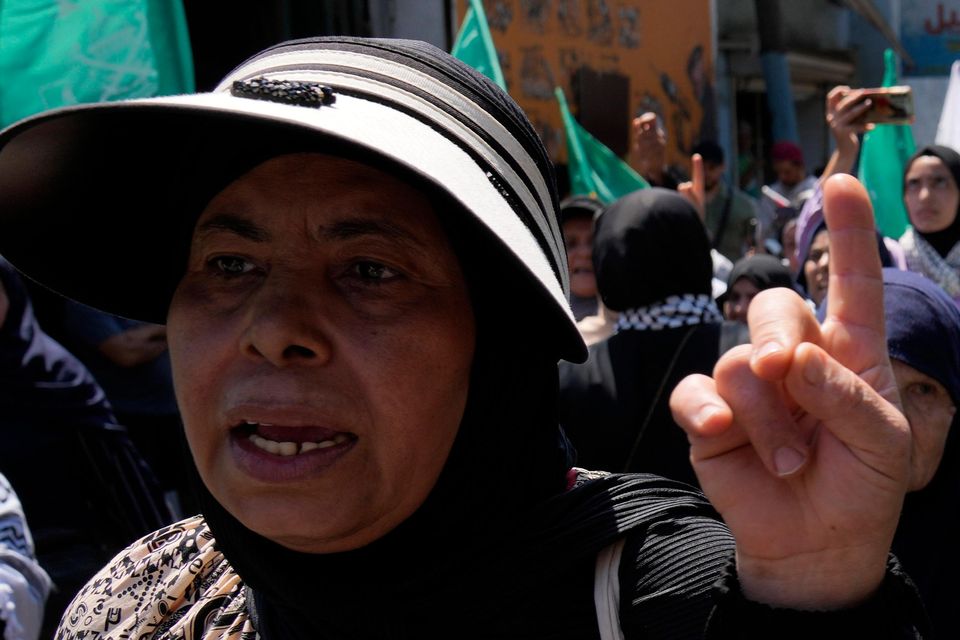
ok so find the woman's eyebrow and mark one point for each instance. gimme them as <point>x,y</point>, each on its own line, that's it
<point>234,224</point>
<point>359,227</point>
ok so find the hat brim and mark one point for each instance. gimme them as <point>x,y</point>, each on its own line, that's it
<point>99,200</point>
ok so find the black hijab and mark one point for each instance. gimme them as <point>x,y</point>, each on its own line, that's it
<point>648,245</point>
<point>763,270</point>
<point>923,331</point>
<point>945,239</point>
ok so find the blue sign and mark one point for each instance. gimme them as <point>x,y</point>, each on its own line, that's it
<point>930,32</point>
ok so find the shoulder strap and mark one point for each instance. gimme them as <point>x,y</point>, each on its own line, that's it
<point>655,401</point>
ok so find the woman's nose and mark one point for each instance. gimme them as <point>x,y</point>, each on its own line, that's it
<point>285,328</point>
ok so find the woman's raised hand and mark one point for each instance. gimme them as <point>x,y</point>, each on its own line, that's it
<point>798,439</point>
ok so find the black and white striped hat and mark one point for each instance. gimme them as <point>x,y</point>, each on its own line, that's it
<point>96,200</point>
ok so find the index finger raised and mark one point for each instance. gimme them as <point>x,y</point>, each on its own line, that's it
<point>854,326</point>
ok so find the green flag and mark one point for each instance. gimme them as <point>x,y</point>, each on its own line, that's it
<point>883,159</point>
<point>61,53</point>
<point>474,44</point>
<point>594,169</point>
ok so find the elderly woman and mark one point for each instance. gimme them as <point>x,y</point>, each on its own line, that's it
<point>923,336</point>
<point>931,192</point>
<point>329,236</point>
<point>923,339</point>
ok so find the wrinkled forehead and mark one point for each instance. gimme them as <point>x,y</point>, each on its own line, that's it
<point>328,198</point>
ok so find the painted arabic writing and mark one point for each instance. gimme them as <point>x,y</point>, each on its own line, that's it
<point>942,24</point>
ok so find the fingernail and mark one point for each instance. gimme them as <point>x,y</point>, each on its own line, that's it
<point>787,460</point>
<point>768,349</point>
<point>813,371</point>
<point>706,413</point>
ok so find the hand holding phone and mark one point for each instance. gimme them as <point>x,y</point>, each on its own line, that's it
<point>886,105</point>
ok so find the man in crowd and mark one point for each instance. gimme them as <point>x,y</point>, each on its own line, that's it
<point>730,214</point>
<point>793,184</point>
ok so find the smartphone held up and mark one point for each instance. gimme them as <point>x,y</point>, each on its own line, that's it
<point>887,105</point>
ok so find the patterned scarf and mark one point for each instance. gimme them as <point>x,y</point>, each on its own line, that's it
<point>676,311</point>
<point>923,258</point>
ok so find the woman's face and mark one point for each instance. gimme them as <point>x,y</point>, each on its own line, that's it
<point>931,194</point>
<point>929,410</point>
<point>578,238</point>
<point>321,341</point>
<point>816,268</point>
<point>738,300</point>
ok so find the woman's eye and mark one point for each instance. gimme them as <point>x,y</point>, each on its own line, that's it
<point>374,271</point>
<point>231,265</point>
<point>923,389</point>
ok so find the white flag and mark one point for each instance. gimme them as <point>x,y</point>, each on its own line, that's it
<point>948,131</point>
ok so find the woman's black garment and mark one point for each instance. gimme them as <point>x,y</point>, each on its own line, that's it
<point>945,239</point>
<point>923,331</point>
<point>604,401</point>
<point>649,246</point>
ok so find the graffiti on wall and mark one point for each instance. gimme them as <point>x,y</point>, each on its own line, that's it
<point>544,43</point>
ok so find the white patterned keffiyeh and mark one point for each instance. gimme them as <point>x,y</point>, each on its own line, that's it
<point>923,258</point>
<point>675,311</point>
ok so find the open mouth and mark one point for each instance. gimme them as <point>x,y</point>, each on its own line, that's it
<point>290,441</point>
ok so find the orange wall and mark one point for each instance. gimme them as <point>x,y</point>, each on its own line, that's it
<point>541,43</point>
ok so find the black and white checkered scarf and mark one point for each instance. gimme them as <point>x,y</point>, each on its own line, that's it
<point>676,311</point>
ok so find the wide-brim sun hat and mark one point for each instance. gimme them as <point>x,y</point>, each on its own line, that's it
<point>97,201</point>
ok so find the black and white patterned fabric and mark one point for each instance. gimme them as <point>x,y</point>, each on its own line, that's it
<point>676,311</point>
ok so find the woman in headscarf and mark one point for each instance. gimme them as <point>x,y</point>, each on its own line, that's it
<point>923,338</point>
<point>330,236</point>
<point>749,276</point>
<point>813,278</point>
<point>931,192</point>
<point>653,266</point>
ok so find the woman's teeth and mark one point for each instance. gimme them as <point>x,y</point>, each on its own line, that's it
<point>293,448</point>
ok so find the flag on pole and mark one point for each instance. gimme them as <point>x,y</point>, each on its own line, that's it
<point>62,53</point>
<point>594,169</point>
<point>883,158</point>
<point>474,44</point>
<point>948,131</point>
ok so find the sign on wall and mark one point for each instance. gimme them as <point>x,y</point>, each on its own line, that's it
<point>930,31</point>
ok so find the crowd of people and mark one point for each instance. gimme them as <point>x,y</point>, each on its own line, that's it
<point>722,418</point>
<point>614,406</point>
